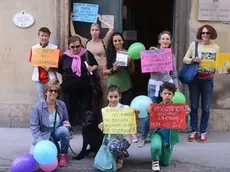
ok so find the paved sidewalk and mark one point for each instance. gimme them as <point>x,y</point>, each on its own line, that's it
<point>187,157</point>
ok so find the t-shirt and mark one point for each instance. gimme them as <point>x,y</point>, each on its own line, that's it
<point>43,74</point>
<point>205,52</point>
<point>70,79</point>
<point>128,137</point>
<point>52,118</point>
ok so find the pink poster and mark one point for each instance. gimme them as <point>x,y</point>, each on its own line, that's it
<point>156,60</point>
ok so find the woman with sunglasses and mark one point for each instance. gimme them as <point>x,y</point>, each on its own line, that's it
<point>49,121</point>
<point>98,47</point>
<point>73,75</point>
<point>203,84</point>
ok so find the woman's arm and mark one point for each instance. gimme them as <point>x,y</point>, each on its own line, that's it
<point>59,77</point>
<point>131,66</point>
<point>35,124</point>
<point>72,31</point>
<point>188,56</point>
<point>173,73</point>
<point>109,33</point>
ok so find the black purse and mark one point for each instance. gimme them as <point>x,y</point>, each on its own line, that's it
<point>94,82</point>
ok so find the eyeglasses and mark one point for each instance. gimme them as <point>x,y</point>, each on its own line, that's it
<point>78,46</point>
<point>205,33</point>
<point>53,91</point>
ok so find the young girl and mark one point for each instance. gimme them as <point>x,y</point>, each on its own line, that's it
<point>123,142</point>
<point>156,80</point>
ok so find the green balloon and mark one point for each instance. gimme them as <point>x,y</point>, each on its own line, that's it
<point>135,49</point>
<point>179,98</point>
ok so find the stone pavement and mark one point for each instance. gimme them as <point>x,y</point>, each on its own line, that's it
<point>187,157</point>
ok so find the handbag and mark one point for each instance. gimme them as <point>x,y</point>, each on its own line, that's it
<point>189,71</point>
<point>104,160</point>
<point>94,82</point>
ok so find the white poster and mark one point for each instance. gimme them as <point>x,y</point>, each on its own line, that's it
<point>108,19</point>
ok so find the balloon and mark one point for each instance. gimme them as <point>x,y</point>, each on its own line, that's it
<point>179,98</point>
<point>23,163</point>
<point>141,103</point>
<point>45,152</point>
<point>49,167</point>
<point>135,49</point>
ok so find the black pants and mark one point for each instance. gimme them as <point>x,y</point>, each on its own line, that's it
<point>77,100</point>
<point>127,97</point>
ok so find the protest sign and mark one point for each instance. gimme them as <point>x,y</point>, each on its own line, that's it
<point>171,116</point>
<point>221,63</point>
<point>119,121</point>
<point>85,12</point>
<point>45,57</point>
<point>108,19</point>
<point>122,58</point>
<point>156,60</point>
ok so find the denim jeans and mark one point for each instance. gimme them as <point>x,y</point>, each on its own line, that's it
<point>144,123</point>
<point>62,134</point>
<point>40,90</point>
<point>203,88</point>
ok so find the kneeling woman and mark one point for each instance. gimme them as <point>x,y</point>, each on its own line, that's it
<point>49,121</point>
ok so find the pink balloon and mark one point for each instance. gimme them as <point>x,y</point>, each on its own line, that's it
<point>49,167</point>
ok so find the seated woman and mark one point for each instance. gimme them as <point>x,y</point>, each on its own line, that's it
<point>49,121</point>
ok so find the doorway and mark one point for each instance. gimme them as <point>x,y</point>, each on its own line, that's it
<point>142,22</point>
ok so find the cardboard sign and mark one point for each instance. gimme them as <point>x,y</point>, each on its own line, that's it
<point>156,60</point>
<point>45,57</point>
<point>171,116</point>
<point>119,121</point>
<point>221,63</point>
<point>85,12</point>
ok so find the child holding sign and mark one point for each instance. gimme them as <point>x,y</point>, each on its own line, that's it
<point>111,155</point>
<point>162,139</point>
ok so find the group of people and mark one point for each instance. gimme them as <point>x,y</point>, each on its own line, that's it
<point>51,118</point>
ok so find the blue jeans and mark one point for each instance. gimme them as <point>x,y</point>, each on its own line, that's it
<point>203,88</point>
<point>40,90</point>
<point>62,134</point>
<point>145,121</point>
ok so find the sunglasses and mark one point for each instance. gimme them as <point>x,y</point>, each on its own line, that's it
<point>53,91</point>
<point>78,46</point>
<point>205,33</point>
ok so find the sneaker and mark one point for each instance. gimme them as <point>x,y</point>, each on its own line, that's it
<point>193,136</point>
<point>63,160</point>
<point>203,138</point>
<point>155,166</point>
<point>141,143</point>
<point>134,138</point>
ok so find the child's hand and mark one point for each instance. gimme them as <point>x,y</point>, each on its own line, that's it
<point>137,112</point>
<point>149,109</point>
<point>101,126</point>
<point>188,110</point>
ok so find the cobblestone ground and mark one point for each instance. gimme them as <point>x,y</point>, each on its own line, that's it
<point>86,166</point>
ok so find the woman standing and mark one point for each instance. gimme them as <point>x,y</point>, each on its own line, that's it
<point>73,75</point>
<point>203,84</point>
<point>157,79</point>
<point>98,47</point>
<point>119,75</point>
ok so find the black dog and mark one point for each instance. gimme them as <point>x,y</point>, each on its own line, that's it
<point>91,134</point>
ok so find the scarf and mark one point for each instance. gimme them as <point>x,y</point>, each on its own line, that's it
<point>76,63</point>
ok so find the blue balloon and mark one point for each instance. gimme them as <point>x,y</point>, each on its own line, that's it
<point>45,152</point>
<point>141,103</point>
<point>23,163</point>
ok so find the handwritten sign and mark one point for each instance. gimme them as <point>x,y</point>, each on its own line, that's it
<point>108,19</point>
<point>45,57</point>
<point>221,63</point>
<point>168,116</point>
<point>156,60</point>
<point>214,10</point>
<point>85,12</point>
<point>119,121</point>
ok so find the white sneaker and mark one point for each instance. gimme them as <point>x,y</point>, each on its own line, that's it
<point>155,166</point>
